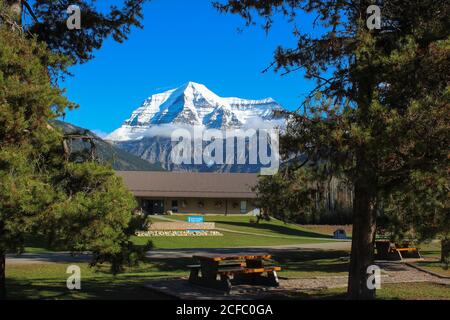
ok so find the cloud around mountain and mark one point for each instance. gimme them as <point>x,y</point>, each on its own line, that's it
<point>195,106</point>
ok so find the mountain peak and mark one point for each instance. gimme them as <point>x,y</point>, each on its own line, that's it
<point>194,84</point>
<point>197,88</point>
<point>193,104</point>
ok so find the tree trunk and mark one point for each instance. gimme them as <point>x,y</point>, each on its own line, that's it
<point>445,251</point>
<point>2,276</point>
<point>363,236</point>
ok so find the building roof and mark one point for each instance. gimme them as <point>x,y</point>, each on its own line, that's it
<point>190,184</point>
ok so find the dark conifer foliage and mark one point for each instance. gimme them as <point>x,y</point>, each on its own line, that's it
<point>46,19</point>
<point>380,112</point>
<point>79,205</point>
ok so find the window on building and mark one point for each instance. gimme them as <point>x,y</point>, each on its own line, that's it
<point>243,206</point>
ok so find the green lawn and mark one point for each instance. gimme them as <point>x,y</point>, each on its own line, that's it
<point>312,263</point>
<point>228,239</point>
<point>430,249</point>
<point>48,281</point>
<point>242,223</point>
<point>435,266</point>
<point>279,234</point>
<point>393,291</point>
<point>432,253</point>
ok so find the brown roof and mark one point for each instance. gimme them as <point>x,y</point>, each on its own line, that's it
<point>189,184</point>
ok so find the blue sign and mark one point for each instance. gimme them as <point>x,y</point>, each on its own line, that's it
<point>196,219</point>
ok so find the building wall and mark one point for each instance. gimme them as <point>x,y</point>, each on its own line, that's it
<point>208,206</point>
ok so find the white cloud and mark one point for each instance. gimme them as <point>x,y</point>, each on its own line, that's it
<point>126,133</point>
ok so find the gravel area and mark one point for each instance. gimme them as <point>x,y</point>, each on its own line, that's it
<point>392,272</point>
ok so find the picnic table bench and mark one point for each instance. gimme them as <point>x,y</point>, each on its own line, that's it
<point>386,249</point>
<point>218,272</point>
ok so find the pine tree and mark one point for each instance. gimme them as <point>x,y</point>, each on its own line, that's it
<point>380,111</point>
<point>82,206</point>
<point>26,101</point>
<point>47,22</point>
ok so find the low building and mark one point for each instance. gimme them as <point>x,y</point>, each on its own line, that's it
<point>192,193</point>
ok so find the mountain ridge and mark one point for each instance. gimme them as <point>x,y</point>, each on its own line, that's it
<point>119,159</point>
<point>193,104</point>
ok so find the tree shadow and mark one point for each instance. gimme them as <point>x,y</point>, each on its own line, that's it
<point>91,288</point>
<point>279,229</point>
<point>314,261</point>
<point>130,285</point>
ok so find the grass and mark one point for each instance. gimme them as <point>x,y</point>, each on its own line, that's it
<point>48,281</point>
<point>273,233</point>
<point>272,228</point>
<point>228,239</point>
<point>435,266</point>
<point>313,263</point>
<point>430,249</point>
<point>395,291</point>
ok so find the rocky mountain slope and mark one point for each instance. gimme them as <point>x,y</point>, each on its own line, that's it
<point>120,159</point>
<point>147,132</point>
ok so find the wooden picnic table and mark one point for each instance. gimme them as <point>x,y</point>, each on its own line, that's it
<point>218,271</point>
<point>386,249</point>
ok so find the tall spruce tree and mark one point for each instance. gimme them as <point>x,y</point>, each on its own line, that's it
<point>83,205</point>
<point>380,111</point>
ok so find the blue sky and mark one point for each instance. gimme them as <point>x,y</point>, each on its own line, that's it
<point>181,41</point>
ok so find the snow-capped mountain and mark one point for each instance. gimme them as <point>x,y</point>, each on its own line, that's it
<point>193,104</point>
<point>147,133</point>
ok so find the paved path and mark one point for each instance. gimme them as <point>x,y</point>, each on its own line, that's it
<point>392,272</point>
<point>50,257</point>
<point>47,257</point>
<point>187,253</point>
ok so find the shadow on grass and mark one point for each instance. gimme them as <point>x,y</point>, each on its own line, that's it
<point>310,261</point>
<point>157,265</point>
<point>101,284</point>
<point>437,266</point>
<point>310,294</point>
<point>433,253</point>
<point>92,288</point>
<point>278,229</point>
